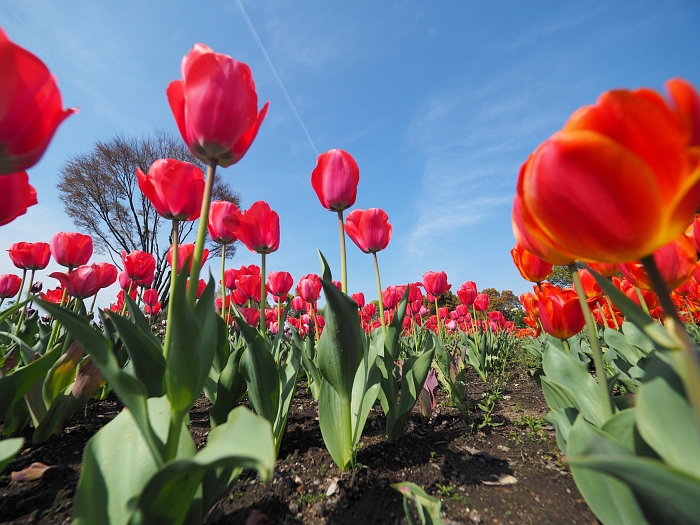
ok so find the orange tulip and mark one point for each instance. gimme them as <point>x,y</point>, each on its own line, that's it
<point>560,312</point>
<point>604,269</point>
<point>531,267</point>
<point>631,154</point>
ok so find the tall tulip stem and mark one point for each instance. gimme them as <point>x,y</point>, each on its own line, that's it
<point>343,260</point>
<point>690,372</point>
<point>263,295</point>
<point>201,234</point>
<point>171,303</point>
<point>437,316</point>
<point>593,337</point>
<point>19,296</point>
<point>223,281</point>
<point>379,292</point>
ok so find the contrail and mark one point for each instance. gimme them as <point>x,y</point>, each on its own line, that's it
<point>277,77</point>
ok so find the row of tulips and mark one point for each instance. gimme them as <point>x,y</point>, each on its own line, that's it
<point>615,191</point>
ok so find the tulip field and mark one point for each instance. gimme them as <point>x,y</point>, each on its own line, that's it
<point>256,397</point>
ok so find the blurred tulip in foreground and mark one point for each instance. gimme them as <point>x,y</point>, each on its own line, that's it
<point>9,285</point>
<point>16,195</point>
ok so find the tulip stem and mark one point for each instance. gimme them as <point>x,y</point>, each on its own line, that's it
<point>379,292</point>
<point>223,281</point>
<point>128,292</point>
<point>201,234</point>
<point>690,361</point>
<point>612,313</point>
<point>689,313</point>
<point>642,302</point>
<point>593,338</point>
<point>19,295</point>
<point>565,344</point>
<point>92,306</point>
<point>437,316</point>
<point>263,295</point>
<point>171,307</point>
<point>343,261</point>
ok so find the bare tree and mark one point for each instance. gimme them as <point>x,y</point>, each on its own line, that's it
<point>100,193</point>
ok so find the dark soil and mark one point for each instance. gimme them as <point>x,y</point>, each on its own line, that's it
<point>446,457</point>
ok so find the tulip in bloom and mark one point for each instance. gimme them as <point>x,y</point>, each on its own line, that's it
<point>590,286</point>
<point>138,265</point>
<point>359,298</point>
<point>298,304</point>
<point>16,194</point>
<point>309,288</point>
<point>390,297</point>
<point>9,285</point>
<point>201,286</point>
<point>175,188</point>
<point>108,274</point>
<point>84,281</point>
<point>369,230</point>
<point>531,267</point>
<point>335,179</point>
<point>184,251</point>
<point>31,108</point>
<point>279,284</point>
<point>71,249</point>
<point>604,269</point>
<point>53,296</point>
<point>481,302</point>
<point>467,293</point>
<point>249,286</point>
<point>560,313</point>
<point>435,283</point>
<point>220,232</point>
<point>215,106</point>
<point>258,228</point>
<point>30,255</point>
<point>676,263</point>
<point>619,181</point>
<point>150,296</point>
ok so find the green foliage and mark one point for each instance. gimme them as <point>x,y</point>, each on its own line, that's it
<point>427,507</point>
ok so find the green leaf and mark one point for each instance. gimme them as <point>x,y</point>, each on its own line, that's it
<point>325,268</point>
<point>611,500</point>
<point>668,424</point>
<point>560,367</point>
<point>146,354</point>
<point>244,441</point>
<point>230,388</point>
<point>364,392</point>
<point>61,374</point>
<point>332,426</point>
<point>422,501</point>
<point>307,356</point>
<point>340,346</point>
<point>562,419</point>
<point>9,448</point>
<point>288,373</point>
<point>117,466</point>
<point>260,373</point>
<point>618,341</point>
<point>130,389</point>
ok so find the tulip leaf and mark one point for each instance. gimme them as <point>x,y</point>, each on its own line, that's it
<point>610,499</point>
<point>364,391</point>
<point>244,441</point>
<point>668,424</point>
<point>15,384</point>
<point>635,336</point>
<point>148,363</point>
<point>634,313</point>
<point>137,317</point>
<point>9,448</point>
<point>618,341</point>
<point>307,356</point>
<point>288,373</point>
<point>259,370</point>
<point>428,507</point>
<point>333,427</point>
<point>61,374</point>
<point>129,388</point>
<point>117,466</point>
<point>325,268</point>
<point>230,388</point>
<point>564,369</point>
<point>562,419</point>
<point>339,350</point>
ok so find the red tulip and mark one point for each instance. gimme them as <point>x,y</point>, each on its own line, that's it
<point>152,309</point>
<point>201,286</point>
<point>251,315</point>
<point>30,255</point>
<point>238,298</point>
<point>531,267</point>
<point>53,296</point>
<point>309,288</point>
<point>632,155</point>
<point>31,108</point>
<point>150,296</point>
<point>259,228</point>
<point>220,232</point>
<point>139,265</point>
<point>84,281</point>
<point>249,286</point>
<point>390,298</point>
<point>9,285</point>
<point>298,304</point>
<point>215,106</point>
<point>676,263</point>
<point>481,302</point>
<point>335,179</point>
<point>630,290</point>
<point>467,293</point>
<point>604,269</point>
<point>71,249</point>
<point>184,251</point>
<point>108,274</point>
<point>370,230</point>
<point>590,286</point>
<point>435,283</point>
<point>370,309</point>
<point>560,313</point>
<point>359,298</point>
<point>16,194</point>
<point>279,284</point>
<point>124,281</point>
<point>174,188</point>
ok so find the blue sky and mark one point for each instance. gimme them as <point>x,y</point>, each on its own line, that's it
<point>439,102</point>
